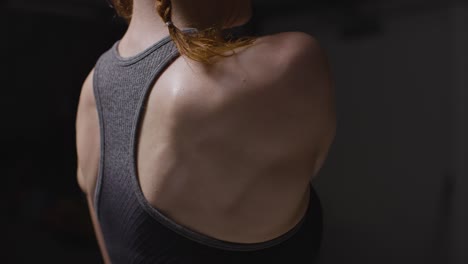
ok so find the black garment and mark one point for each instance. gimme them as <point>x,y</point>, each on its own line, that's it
<point>134,231</point>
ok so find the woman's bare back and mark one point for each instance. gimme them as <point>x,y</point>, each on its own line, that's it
<point>229,151</point>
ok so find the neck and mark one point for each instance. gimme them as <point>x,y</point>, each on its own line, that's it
<point>146,26</point>
<point>198,14</point>
<point>202,14</point>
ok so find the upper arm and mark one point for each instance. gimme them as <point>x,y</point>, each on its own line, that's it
<point>87,137</point>
<point>313,80</point>
<point>307,79</point>
<point>88,151</point>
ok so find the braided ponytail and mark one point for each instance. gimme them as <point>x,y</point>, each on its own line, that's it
<point>204,46</point>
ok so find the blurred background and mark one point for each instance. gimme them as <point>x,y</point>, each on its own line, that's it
<point>394,188</point>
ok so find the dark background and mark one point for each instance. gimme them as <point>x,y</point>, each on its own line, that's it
<point>394,188</point>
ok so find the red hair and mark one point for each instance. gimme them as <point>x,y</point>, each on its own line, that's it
<point>204,46</point>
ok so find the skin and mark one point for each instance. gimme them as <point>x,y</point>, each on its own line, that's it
<point>240,141</point>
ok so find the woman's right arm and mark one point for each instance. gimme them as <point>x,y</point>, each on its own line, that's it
<point>88,152</point>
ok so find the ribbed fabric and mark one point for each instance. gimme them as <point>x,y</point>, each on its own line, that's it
<point>135,232</point>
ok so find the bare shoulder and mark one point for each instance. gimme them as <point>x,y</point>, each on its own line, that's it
<point>287,56</point>
<point>287,46</point>
<point>87,136</point>
<point>291,66</point>
<point>294,69</point>
<point>292,43</point>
